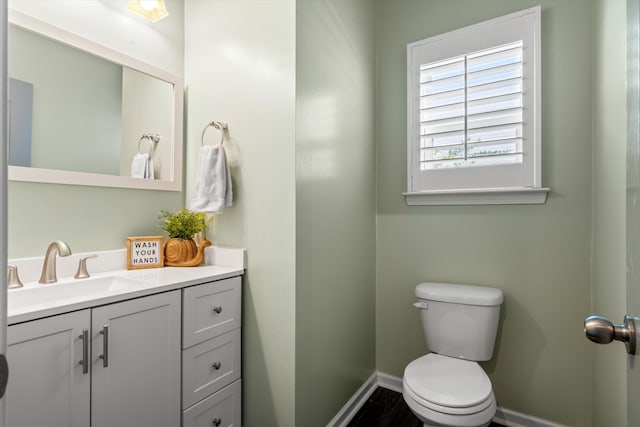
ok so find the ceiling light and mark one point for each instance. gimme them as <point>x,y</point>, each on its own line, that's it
<point>153,10</point>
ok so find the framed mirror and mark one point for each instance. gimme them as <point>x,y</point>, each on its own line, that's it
<point>83,114</point>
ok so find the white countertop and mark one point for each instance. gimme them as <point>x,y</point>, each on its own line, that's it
<point>221,263</point>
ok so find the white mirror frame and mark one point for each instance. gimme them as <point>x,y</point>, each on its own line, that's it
<point>52,176</point>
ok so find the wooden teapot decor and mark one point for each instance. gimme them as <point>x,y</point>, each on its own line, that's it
<point>181,250</point>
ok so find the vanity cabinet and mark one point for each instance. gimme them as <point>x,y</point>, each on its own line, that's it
<point>211,362</point>
<point>163,360</point>
<point>111,366</point>
<point>47,386</point>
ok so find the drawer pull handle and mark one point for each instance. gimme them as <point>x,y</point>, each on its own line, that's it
<point>217,365</point>
<point>217,422</point>
<point>217,309</point>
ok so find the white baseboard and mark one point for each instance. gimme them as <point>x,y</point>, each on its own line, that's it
<point>353,405</point>
<point>504,416</point>
<point>389,382</point>
<point>509,418</point>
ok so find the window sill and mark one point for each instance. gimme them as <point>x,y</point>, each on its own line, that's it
<point>480,196</point>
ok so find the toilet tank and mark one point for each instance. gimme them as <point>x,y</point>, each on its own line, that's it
<point>459,320</point>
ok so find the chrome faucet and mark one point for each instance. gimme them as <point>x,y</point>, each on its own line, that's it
<point>49,267</point>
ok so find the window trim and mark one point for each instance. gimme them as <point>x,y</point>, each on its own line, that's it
<point>479,196</point>
<point>516,194</point>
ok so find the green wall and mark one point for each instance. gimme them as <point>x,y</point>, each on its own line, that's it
<point>240,69</point>
<point>300,109</point>
<point>87,218</point>
<point>539,254</point>
<point>335,204</point>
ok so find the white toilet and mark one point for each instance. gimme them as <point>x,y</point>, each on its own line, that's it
<point>447,387</point>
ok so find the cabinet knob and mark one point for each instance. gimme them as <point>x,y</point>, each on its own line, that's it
<point>216,422</point>
<point>217,309</point>
<point>217,365</point>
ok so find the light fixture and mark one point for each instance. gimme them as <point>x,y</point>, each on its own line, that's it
<point>153,10</point>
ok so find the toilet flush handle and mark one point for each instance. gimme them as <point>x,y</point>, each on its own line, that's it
<point>421,305</point>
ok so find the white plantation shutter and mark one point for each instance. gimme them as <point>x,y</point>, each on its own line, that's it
<point>474,108</point>
<point>471,109</point>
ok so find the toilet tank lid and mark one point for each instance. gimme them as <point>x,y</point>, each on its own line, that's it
<point>459,294</point>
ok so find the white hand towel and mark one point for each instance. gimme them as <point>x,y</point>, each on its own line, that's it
<point>213,181</point>
<point>142,166</point>
<point>139,165</point>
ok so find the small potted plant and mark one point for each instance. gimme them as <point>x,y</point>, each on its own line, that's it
<point>181,250</point>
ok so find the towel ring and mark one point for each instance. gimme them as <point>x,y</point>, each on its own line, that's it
<point>152,138</point>
<point>218,125</point>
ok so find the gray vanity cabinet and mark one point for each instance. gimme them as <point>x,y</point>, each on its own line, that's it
<point>211,355</point>
<point>133,377</point>
<point>47,386</point>
<point>136,363</point>
<point>162,360</point>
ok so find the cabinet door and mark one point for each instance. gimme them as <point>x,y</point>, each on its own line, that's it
<point>136,363</point>
<point>47,386</point>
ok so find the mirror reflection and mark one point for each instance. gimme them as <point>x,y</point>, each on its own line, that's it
<point>74,111</point>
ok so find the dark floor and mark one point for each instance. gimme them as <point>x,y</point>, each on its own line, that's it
<point>386,408</point>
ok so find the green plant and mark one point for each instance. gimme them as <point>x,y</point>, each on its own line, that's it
<point>183,224</point>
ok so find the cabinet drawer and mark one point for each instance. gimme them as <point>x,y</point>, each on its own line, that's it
<point>223,409</point>
<point>210,310</point>
<point>209,366</point>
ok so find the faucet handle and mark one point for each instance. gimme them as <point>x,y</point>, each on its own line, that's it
<point>13,280</point>
<point>82,272</point>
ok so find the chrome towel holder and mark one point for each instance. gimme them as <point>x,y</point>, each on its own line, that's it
<point>221,126</point>
<point>152,138</point>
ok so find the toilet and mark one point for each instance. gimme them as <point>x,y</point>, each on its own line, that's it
<point>447,387</point>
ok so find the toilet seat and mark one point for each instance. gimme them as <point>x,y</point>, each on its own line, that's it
<point>460,386</point>
<point>448,385</point>
<point>446,391</point>
<point>423,404</point>
<point>432,417</point>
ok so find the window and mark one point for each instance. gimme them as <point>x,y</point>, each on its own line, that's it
<point>474,114</point>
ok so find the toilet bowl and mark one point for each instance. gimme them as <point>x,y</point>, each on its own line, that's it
<point>447,387</point>
<point>444,391</point>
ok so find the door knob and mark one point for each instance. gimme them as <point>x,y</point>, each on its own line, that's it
<point>602,331</point>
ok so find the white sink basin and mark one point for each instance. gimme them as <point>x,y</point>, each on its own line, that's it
<point>68,291</point>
